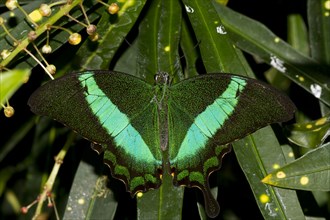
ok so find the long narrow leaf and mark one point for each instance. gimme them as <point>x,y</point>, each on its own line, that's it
<point>297,34</point>
<point>319,23</point>
<point>216,48</point>
<point>10,81</point>
<point>309,134</point>
<point>158,43</point>
<point>89,197</point>
<point>256,39</point>
<point>258,155</point>
<point>310,172</point>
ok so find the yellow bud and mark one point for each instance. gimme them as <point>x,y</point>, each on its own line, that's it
<point>113,8</point>
<point>5,53</point>
<point>8,111</point>
<point>32,35</point>
<point>91,29</point>
<point>51,69</point>
<point>46,49</point>
<point>94,37</point>
<point>35,16</point>
<point>75,39</point>
<point>11,4</point>
<point>45,10</point>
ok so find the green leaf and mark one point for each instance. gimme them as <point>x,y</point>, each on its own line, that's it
<point>298,39</point>
<point>112,30</point>
<point>163,203</point>
<point>259,154</point>
<point>147,43</point>
<point>158,40</point>
<point>297,34</point>
<point>10,81</point>
<point>255,38</point>
<point>309,134</point>
<point>188,47</point>
<point>319,35</point>
<point>89,196</point>
<point>310,172</point>
<point>288,153</point>
<point>216,48</point>
<point>5,175</point>
<point>318,22</point>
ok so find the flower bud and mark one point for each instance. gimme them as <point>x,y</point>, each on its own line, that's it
<point>46,49</point>
<point>94,37</point>
<point>51,69</point>
<point>45,10</point>
<point>113,8</point>
<point>11,4</point>
<point>8,111</point>
<point>1,20</point>
<point>5,53</point>
<point>75,39</point>
<point>91,29</point>
<point>32,35</point>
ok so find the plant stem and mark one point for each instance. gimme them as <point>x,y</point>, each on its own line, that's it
<point>51,179</point>
<point>41,29</point>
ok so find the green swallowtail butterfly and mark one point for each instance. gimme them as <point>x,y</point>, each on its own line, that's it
<point>146,130</point>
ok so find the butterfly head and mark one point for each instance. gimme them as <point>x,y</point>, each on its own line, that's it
<point>162,78</point>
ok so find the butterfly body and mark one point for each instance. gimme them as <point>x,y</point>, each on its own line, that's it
<point>149,130</point>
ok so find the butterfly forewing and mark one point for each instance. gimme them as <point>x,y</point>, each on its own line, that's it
<point>114,110</point>
<point>220,108</point>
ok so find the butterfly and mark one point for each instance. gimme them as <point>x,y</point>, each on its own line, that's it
<point>146,130</point>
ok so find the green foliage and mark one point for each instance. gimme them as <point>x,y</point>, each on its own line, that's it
<point>10,82</point>
<point>183,38</point>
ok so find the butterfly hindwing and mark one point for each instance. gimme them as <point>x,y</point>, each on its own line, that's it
<point>113,110</point>
<point>214,110</point>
